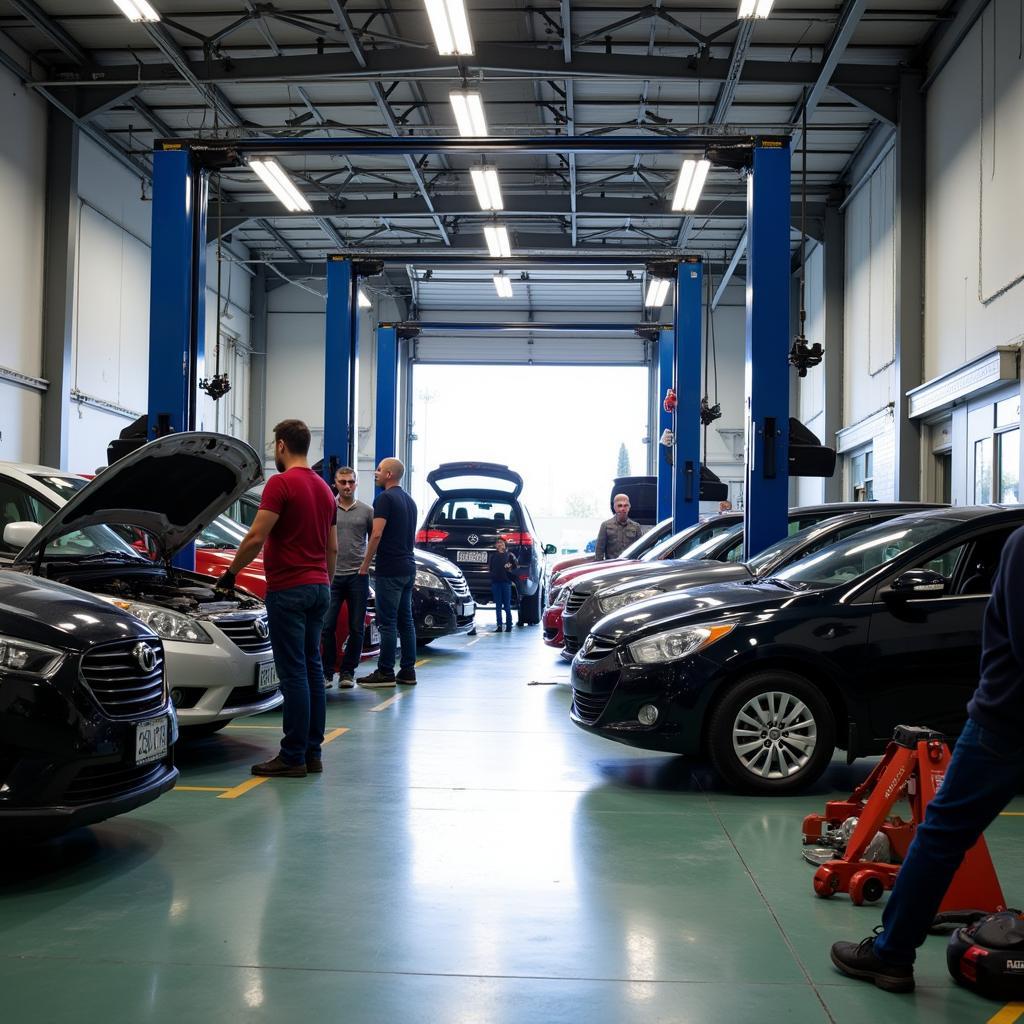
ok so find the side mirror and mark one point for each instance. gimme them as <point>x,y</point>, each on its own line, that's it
<point>919,583</point>
<point>17,535</point>
<point>550,549</point>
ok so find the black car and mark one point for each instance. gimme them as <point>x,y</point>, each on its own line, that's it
<point>768,676</point>
<point>726,545</point>
<point>478,502</point>
<point>86,724</point>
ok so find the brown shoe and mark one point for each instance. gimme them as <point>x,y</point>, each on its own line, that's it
<point>314,765</point>
<point>275,768</point>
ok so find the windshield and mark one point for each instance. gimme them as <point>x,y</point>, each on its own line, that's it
<point>221,533</point>
<point>475,511</point>
<point>852,557</point>
<point>65,486</point>
<point>772,556</point>
<point>92,541</point>
<point>709,548</point>
<point>686,540</point>
<point>643,542</point>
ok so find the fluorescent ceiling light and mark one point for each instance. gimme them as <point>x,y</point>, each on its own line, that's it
<point>137,10</point>
<point>692,176</point>
<point>363,300</point>
<point>469,113</point>
<point>450,25</point>
<point>755,8</point>
<point>497,240</point>
<point>657,292</point>
<point>488,188</point>
<point>273,176</point>
<point>503,286</point>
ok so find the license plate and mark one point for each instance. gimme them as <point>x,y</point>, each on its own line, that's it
<point>470,556</point>
<point>150,741</point>
<point>266,677</point>
<point>468,608</point>
<point>374,635</point>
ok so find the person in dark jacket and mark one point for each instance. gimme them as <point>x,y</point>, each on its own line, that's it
<point>500,566</point>
<point>984,774</point>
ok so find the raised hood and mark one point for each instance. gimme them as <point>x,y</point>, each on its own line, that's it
<point>452,478</point>
<point>171,488</point>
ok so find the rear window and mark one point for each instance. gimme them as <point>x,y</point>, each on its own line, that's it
<point>477,512</point>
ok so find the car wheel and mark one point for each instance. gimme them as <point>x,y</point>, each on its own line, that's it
<point>773,732</point>
<point>529,609</point>
<point>197,732</point>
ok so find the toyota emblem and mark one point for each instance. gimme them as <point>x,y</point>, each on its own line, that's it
<point>473,538</point>
<point>262,629</point>
<point>145,656</point>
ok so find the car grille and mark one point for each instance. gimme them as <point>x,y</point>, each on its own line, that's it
<point>106,781</point>
<point>572,645</point>
<point>460,588</point>
<point>589,706</point>
<point>598,648</point>
<point>241,631</point>
<point>121,686</point>
<point>574,602</point>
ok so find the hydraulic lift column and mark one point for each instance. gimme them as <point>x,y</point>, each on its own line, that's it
<point>387,392</point>
<point>686,468</point>
<point>340,353</point>
<point>666,368</point>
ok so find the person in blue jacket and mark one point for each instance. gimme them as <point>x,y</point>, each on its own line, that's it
<point>501,566</point>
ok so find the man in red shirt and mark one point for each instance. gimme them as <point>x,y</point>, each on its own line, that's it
<point>296,523</point>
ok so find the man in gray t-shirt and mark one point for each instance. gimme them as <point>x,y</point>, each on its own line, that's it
<point>348,587</point>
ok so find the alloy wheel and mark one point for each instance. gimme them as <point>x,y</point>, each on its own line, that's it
<point>774,735</point>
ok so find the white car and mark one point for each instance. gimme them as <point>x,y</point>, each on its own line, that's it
<point>219,663</point>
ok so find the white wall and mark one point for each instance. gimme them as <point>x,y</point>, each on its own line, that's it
<point>974,223</point>
<point>22,208</point>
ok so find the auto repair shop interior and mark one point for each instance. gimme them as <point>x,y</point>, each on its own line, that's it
<point>759,248</point>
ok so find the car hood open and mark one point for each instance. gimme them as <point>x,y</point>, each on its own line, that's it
<point>451,478</point>
<point>171,488</point>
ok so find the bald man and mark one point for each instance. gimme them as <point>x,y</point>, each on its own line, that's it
<point>392,540</point>
<point>617,533</point>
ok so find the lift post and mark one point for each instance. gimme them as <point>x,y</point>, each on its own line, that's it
<point>387,392</point>
<point>686,466</point>
<point>341,340</point>
<point>666,369</point>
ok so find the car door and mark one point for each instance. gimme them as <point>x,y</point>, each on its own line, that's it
<point>924,651</point>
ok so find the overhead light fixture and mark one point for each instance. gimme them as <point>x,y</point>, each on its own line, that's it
<point>692,176</point>
<point>657,292</point>
<point>488,188</point>
<point>498,244</point>
<point>137,10</point>
<point>273,176</point>
<point>755,8</point>
<point>503,286</point>
<point>450,25</point>
<point>363,300</point>
<point>469,113</point>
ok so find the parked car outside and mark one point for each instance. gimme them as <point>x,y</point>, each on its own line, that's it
<point>86,726</point>
<point>219,660</point>
<point>769,676</point>
<point>478,502</point>
<point>715,561</point>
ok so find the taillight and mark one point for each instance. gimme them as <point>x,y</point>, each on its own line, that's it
<point>515,537</point>
<point>431,536</point>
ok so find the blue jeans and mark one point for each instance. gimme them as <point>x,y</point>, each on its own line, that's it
<point>394,619</point>
<point>984,774</point>
<point>296,617</point>
<point>352,590</point>
<point>501,591</point>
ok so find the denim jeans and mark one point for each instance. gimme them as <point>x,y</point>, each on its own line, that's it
<point>984,774</point>
<point>352,590</point>
<point>394,620</point>
<point>501,591</point>
<point>296,617</point>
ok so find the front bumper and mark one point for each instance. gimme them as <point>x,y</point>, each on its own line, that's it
<point>608,694</point>
<point>438,614</point>
<point>553,635</point>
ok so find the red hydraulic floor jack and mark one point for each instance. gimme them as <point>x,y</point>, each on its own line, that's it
<point>914,765</point>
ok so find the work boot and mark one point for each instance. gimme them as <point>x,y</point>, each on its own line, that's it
<point>406,676</point>
<point>377,680</point>
<point>859,960</point>
<point>276,768</point>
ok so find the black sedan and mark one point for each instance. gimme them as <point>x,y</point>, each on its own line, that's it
<point>86,725</point>
<point>769,676</point>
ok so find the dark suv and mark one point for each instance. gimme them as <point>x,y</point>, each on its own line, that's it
<point>478,502</point>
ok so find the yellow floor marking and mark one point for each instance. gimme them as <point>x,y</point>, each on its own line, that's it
<point>237,791</point>
<point>422,661</point>
<point>334,734</point>
<point>387,703</point>
<point>200,789</point>
<point>1012,814</point>
<point>1008,1014</point>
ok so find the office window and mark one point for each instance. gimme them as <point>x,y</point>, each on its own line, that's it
<point>1009,466</point>
<point>983,471</point>
<point>862,476</point>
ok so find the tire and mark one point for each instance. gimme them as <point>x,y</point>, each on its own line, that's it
<point>198,732</point>
<point>529,609</point>
<point>773,766</point>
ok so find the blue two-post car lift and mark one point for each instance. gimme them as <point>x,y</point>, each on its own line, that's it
<point>177,306</point>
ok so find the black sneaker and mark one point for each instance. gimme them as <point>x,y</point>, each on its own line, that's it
<point>859,960</point>
<point>508,627</point>
<point>406,676</point>
<point>346,680</point>
<point>314,766</point>
<point>377,680</point>
<point>275,768</point>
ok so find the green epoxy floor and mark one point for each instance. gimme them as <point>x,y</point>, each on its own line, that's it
<point>468,857</point>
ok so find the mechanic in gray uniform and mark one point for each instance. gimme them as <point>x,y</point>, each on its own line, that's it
<point>617,533</point>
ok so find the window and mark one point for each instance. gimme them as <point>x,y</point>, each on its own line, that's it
<point>469,510</point>
<point>1009,466</point>
<point>862,476</point>
<point>983,471</point>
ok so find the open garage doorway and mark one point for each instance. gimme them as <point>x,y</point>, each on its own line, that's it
<point>568,430</point>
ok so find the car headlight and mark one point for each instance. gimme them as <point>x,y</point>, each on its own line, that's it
<point>613,601</point>
<point>166,624</point>
<point>24,658</point>
<point>676,644</point>
<point>428,580</point>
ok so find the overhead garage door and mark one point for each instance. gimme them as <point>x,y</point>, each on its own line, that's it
<point>541,349</point>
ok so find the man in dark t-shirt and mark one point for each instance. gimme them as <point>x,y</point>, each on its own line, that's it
<point>295,528</point>
<point>392,540</point>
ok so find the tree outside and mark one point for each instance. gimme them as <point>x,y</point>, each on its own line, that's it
<point>623,469</point>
